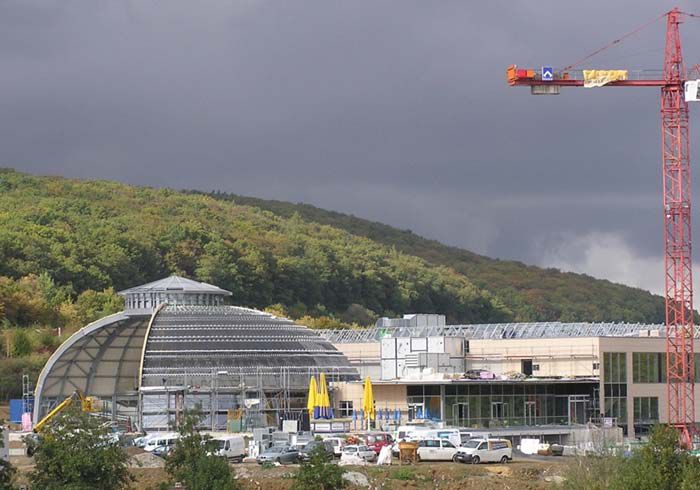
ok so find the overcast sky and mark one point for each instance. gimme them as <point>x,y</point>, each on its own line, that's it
<point>396,111</point>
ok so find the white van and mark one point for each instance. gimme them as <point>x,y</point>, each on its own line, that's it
<point>166,439</point>
<point>485,451</point>
<point>455,436</point>
<point>436,450</point>
<point>411,431</point>
<point>232,447</point>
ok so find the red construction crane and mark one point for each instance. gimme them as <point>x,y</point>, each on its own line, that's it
<point>680,371</point>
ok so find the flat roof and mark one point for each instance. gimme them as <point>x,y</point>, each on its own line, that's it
<point>583,380</point>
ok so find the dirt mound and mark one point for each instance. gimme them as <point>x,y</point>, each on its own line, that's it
<point>146,460</point>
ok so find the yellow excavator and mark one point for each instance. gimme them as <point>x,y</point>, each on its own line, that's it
<point>87,404</point>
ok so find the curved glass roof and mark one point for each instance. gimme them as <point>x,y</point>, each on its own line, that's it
<point>187,342</point>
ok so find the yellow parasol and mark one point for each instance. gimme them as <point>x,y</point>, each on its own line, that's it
<point>311,403</point>
<point>324,401</point>
<point>326,410</point>
<point>368,400</point>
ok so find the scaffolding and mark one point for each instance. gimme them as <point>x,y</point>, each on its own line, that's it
<point>227,359</point>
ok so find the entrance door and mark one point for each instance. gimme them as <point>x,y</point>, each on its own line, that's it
<point>530,413</point>
<point>499,411</point>
<point>526,367</point>
<point>577,409</point>
<point>460,414</point>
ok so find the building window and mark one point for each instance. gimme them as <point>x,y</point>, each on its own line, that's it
<point>615,367</point>
<point>646,410</point>
<point>649,367</point>
<point>345,408</point>
<point>615,386</point>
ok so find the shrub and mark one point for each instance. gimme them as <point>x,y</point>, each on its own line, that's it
<point>74,452</point>
<point>592,472</point>
<point>405,474</point>
<point>7,471</point>
<point>657,465</point>
<point>192,460</point>
<point>319,473</point>
<point>21,344</point>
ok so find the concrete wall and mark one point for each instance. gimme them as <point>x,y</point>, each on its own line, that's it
<point>555,357</point>
<point>365,357</point>
<point>386,396</point>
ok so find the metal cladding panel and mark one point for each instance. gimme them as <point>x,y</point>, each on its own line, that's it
<point>400,368</point>
<point>436,345</point>
<point>403,347</point>
<point>388,348</point>
<point>419,344</point>
<point>188,342</point>
<point>388,369</point>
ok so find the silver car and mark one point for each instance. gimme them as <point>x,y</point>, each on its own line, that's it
<point>279,454</point>
<point>364,452</point>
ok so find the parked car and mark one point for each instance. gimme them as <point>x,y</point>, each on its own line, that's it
<point>364,452</point>
<point>162,451</point>
<point>436,450</point>
<point>338,444</point>
<point>279,454</point>
<point>327,446</point>
<point>231,447</point>
<point>485,451</point>
<point>377,440</point>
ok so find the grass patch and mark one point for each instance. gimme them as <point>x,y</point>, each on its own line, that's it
<point>404,474</point>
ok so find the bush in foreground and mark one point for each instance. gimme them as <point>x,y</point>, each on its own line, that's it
<point>657,465</point>
<point>74,452</point>
<point>7,471</point>
<point>319,473</point>
<point>193,462</point>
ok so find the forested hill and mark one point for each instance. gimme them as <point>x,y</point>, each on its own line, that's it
<point>95,235</point>
<point>530,293</point>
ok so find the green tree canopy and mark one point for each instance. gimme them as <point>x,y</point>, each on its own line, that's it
<point>74,452</point>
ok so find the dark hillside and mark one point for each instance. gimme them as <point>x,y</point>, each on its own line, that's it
<point>531,293</point>
<point>89,235</point>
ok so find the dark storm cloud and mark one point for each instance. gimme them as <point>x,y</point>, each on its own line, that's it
<point>391,110</point>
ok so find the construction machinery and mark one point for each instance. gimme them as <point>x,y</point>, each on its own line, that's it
<point>676,91</point>
<point>87,404</point>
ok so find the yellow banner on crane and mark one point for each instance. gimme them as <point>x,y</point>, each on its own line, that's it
<point>598,78</point>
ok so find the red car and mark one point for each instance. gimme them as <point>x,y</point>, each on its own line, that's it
<point>377,440</point>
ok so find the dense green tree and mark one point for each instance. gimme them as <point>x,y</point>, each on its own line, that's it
<point>656,465</point>
<point>21,345</point>
<point>7,471</point>
<point>319,473</point>
<point>74,452</point>
<point>61,238</point>
<point>192,461</point>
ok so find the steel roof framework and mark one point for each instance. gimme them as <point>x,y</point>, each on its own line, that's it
<point>495,331</point>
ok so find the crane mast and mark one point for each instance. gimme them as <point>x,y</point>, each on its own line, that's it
<point>675,154</point>
<point>675,148</point>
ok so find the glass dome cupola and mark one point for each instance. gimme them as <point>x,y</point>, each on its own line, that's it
<point>173,290</point>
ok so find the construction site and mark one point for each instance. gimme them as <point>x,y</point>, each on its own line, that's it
<point>180,345</point>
